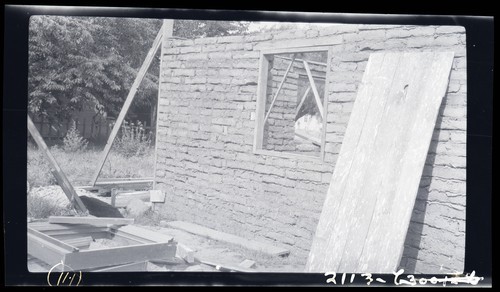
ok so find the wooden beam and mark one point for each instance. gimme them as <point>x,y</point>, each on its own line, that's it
<point>230,238</point>
<point>185,253</point>
<point>45,250</point>
<point>61,178</point>
<point>225,267</point>
<point>96,258</point>
<point>52,240</point>
<point>94,221</point>
<point>128,102</point>
<point>279,88</point>
<point>300,60</point>
<point>168,29</point>
<point>145,233</point>
<point>132,267</point>
<point>314,89</point>
<point>261,102</point>
<point>304,135</point>
<point>302,101</point>
<point>81,242</point>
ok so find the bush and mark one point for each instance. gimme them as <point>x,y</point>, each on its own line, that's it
<point>73,141</point>
<point>39,208</point>
<point>38,169</point>
<point>134,141</point>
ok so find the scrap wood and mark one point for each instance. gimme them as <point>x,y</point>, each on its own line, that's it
<point>130,267</point>
<point>185,253</point>
<point>226,237</point>
<point>144,233</point>
<point>94,221</point>
<point>120,199</point>
<point>248,264</point>
<point>80,242</point>
<point>224,267</point>
<point>90,259</point>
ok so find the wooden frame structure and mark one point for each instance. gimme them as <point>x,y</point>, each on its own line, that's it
<point>57,243</point>
<point>261,115</point>
<point>165,31</point>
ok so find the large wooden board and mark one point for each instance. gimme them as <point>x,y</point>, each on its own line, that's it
<point>230,238</point>
<point>372,192</point>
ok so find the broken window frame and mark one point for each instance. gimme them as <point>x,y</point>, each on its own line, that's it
<point>261,113</point>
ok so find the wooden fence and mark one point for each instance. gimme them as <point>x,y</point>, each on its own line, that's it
<point>95,131</point>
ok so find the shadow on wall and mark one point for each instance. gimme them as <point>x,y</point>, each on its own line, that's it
<point>414,234</point>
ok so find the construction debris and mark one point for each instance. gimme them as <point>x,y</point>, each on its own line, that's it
<point>247,264</point>
<point>46,242</point>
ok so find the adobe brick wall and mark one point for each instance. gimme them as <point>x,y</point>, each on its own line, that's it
<point>206,125</point>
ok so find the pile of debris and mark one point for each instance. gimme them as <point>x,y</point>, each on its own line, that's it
<point>94,244</point>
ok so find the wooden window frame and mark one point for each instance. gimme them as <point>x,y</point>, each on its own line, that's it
<point>262,99</point>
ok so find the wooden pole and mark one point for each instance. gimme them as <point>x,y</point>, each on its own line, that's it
<point>279,88</point>
<point>168,29</point>
<point>314,89</point>
<point>128,102</point>
<point>62,180</point>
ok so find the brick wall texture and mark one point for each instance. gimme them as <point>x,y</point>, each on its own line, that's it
<point>206,124</point>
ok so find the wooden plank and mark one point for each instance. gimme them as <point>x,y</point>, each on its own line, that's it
<point>47,227</point>
<point>61,178</point>
<point>284,47</point>
<point>122,200</point>
<point>300,60</point>
<point>279,88</point>
<point>168,28</point>
<point>247,264</point>
<point>132,267</point>
<point>304,135</point>
<point>94,221</point>
<point>302,101</point>
<point>372,192</point>
<point>230,238</point>
<point>314,89</point>
<point>261,102</point>
<point>157,196</point>
<point>128,102</point>
<point>145,233</point>
<point>52,240</point>
<point>81,242</point>
<point>118,180</point>
<point>91,259</point>
<point>44,250</point>
<point>131,239</point>
<point>185,253</point>
<point>225,267</point>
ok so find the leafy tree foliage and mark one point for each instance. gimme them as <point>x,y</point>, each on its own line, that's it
<point>77,62</point>
<point>208,28</point>
<point>91,62</point>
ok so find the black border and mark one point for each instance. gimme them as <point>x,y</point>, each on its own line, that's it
<point>480,45</point>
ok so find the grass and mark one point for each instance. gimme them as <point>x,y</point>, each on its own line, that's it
<point>39,208</point>
<point>79,166</point>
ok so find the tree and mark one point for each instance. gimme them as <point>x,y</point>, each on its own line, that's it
<point>77,62</point>
<point>208,28</point>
